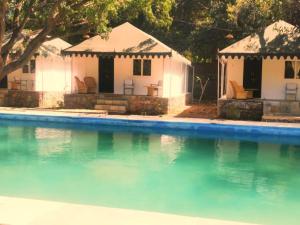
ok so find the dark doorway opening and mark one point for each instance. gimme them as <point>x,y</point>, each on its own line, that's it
<point>106,75</point>
<point>3,82</point>
<point>253,76</point>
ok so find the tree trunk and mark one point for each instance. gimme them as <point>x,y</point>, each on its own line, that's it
<point>3,6</point>
<point>33,45</point>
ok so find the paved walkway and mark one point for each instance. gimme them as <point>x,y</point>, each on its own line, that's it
<point>168,118</point>
<point>16,211</point>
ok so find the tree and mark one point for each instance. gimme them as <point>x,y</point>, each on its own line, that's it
<point>65,17</point>
<point>201,27</point>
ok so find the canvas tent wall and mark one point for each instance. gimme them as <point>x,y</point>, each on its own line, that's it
<point>47,71</point>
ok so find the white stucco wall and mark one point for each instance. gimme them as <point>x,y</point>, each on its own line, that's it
<point>273,81</point>
<point>235,70</point>
<point>53,74</point>
<point>172,72</point>
<point>19,75</point>
<point>175,79</point>
<point>82,67</point>
<point>124,70</point>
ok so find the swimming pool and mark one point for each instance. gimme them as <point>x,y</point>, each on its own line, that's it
<point>233,177</point>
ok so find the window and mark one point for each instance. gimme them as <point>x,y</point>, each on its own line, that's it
<point>292,70</point>
<point>29,67</point>
<point>137,67</point>
<point>147,67</point>
<point>141,65</point>
<point>32,66</point>
<point>25,69</point>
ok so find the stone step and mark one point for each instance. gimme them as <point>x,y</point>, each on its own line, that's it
<point>2,102</point>
<point>105,101</point>
<point>2,97</point>
<point>113,98</point>
<point>120,109</point>
<point>107,95</point>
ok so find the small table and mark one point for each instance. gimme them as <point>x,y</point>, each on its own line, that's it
<point>151,89</point>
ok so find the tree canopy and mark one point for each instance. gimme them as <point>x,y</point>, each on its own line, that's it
<point>201,27</point>
<point>66,18</point>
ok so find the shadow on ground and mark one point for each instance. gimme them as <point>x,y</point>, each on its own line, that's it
<point>207,110</point>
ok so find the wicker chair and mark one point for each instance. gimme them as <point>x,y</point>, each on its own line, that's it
<point>81,87</point>
<point>90,84</point>
<point>239,92</point>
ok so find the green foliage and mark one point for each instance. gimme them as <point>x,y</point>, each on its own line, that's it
<point>201,27</point>
<point>94,16</point>
<point>196,28</point>
<point>71,19</point>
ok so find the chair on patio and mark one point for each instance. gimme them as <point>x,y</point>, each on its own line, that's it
<point>157,87</point>
<point>128,85</point>
<point>15,84</point>
<point>239,92</point>
<point>291,90</point>
<point>90,84</point>
<point>81,87</point>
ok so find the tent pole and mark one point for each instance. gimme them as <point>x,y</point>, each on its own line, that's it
<point>218,91</point>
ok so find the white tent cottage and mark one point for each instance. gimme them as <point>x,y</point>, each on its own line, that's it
<point>130,63</point>
<point>43,81</point>
<point>127,71</point>
<point>48,71</point>
<point>261,74</point>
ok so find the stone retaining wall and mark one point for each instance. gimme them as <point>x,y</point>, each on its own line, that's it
<point>281,107</point>
<point>143,105</point>
<point>240,109</point>
<point>147,105</point>
<point>28,99</point>
<point>80,101</point>
<point>34,99</point>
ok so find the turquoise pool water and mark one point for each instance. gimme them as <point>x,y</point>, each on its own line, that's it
<point>250,179</point>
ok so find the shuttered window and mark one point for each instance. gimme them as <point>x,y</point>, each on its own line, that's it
<point>147,67</point>
<point>137,67</point>
<point>292,70</point>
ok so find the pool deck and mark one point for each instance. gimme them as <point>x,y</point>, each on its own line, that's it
<point>18,211</point>
<point>98,114</point>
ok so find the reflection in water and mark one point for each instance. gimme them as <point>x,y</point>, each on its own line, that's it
<point>183,174</point>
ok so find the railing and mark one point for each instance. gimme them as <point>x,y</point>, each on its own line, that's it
<point>23,85</point>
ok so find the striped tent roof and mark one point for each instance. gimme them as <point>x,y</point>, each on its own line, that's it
<point>53,46</point>
<point>123,40</point>
<point>278,39</point>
